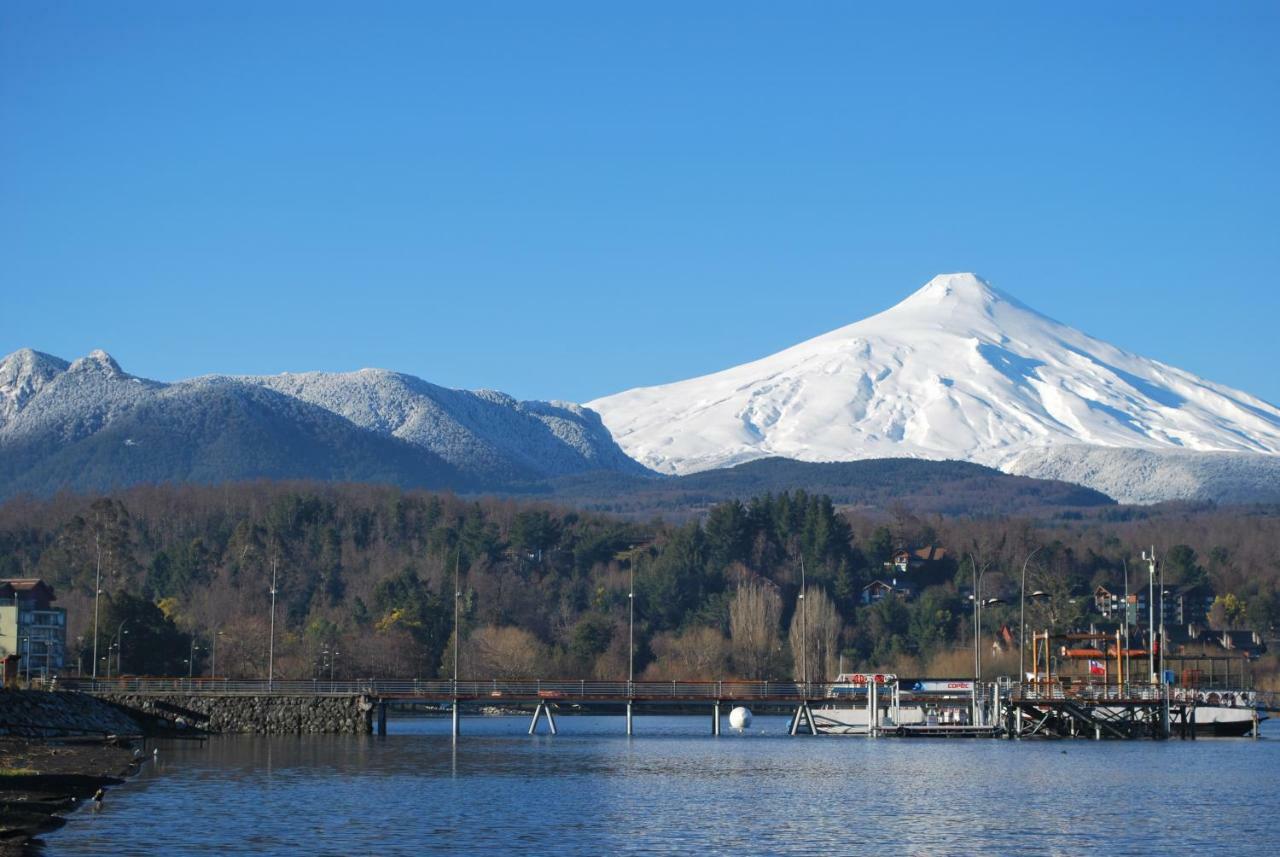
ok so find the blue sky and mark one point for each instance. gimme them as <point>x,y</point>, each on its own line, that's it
<point>566,200</point>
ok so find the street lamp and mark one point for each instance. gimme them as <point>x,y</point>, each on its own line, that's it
<point>271,646</point>
<point>804,632</point>
<point>330,658</point>
<point>1022,618</point>
<point>1150,559</point>
<point>119,637</point>
<point>631,622</point>
<point>457,636</point>
<point>191,659</point>
<point>213,664</point>
<point>97,595</point>
<point>977,617</point>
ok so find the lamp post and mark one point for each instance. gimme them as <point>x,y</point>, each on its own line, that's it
<point>1022,618</point>
<point>191,659</point>
<point>804,632</point>
<point>97,595</point>
<point>631,623</point>
<point>213,666</point>
<point>457,636</point>
<point>1150,559</point>
<point>26,658</point>
<point>977,616</point>
<point>271,646</point>
<point>120,632</point>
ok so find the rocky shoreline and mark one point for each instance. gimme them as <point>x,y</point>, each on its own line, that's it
<point>57,751</point>
<point>41,780</point>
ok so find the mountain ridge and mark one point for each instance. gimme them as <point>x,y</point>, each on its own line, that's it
<point>89,425</point>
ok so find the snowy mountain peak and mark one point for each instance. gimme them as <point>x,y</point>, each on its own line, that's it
<point>957,370</point>
<point>956,288</point>
<point>959,301</point>
<point>97,360</point>
<point>23,374</point>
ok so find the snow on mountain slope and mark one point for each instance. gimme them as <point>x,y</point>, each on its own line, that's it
<point>58,419</point>
<point>958,370</point>
<point>482,431</point>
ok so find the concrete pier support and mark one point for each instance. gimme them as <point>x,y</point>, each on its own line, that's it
<point>630,725</point>
<point>541,709</point>
<point>382,719</point>
<point>803,713</point>
<point>715,718</point>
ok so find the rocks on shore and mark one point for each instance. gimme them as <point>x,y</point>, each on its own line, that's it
<point>254,714</point>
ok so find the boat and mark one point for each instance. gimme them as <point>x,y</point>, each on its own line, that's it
<point>873,704</point>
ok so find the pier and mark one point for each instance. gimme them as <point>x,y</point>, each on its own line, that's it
<point>990,710</point>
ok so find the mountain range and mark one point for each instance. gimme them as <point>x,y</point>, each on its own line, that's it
<point>89,425</point>
<point>958,372</point>
<point>961,370</point>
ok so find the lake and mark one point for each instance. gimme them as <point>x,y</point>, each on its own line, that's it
<point>673,789</point>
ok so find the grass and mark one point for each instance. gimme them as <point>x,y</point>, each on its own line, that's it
<point>18,772</point>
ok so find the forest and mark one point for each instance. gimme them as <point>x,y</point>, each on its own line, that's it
<point>365,581</point>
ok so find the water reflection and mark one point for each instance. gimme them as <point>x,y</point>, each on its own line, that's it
<point>673,788</point>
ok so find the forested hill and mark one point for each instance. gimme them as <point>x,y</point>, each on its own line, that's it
<point>367,572</point>
<point>941,487</point>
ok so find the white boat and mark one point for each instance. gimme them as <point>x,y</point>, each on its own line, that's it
<point>880,704</point>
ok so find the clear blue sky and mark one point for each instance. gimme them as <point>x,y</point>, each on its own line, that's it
<point>566,200</point>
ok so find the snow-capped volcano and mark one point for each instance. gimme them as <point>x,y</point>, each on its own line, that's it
<point>958,370</point>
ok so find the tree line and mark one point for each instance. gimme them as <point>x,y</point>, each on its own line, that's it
<point>366,581</point>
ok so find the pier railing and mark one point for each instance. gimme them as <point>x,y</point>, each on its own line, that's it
<point>1088,692</point>
<point>497,690</point>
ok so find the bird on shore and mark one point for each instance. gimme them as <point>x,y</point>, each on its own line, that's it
<point>97,798</point>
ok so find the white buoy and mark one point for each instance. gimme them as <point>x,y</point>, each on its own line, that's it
<point>740,718</point>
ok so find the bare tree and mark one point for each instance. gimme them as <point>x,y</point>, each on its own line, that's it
<point>504,653</point>
<point>754,618</point>
<point>817,626</point>
<point>695,654</point>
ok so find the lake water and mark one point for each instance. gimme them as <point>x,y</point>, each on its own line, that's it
<point>673,789</point>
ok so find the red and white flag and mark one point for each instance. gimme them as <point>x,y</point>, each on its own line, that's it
<point>1097,668</point>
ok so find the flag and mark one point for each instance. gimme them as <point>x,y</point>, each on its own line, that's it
<point>1097,668</point>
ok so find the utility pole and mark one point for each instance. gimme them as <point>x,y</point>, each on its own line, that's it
<point>271,646</point>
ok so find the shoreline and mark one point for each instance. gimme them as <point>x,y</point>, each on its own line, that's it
<point>43,780</point>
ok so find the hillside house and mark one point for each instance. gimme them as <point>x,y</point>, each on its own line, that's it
<point>878,590</point>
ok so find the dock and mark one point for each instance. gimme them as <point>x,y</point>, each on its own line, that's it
<point>971,710</point>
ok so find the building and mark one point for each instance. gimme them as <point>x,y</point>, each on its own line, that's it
<point>1109,601</point>
<point>1187,605</point>
<point>31,628</point>
<point>878,590</point>
<point>905,561</point>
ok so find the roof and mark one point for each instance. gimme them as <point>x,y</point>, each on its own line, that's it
<point>33,585</point>
<point>24,584</point>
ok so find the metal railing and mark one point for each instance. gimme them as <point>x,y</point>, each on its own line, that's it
<point>496,689</point>
<point>1088,692</point>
